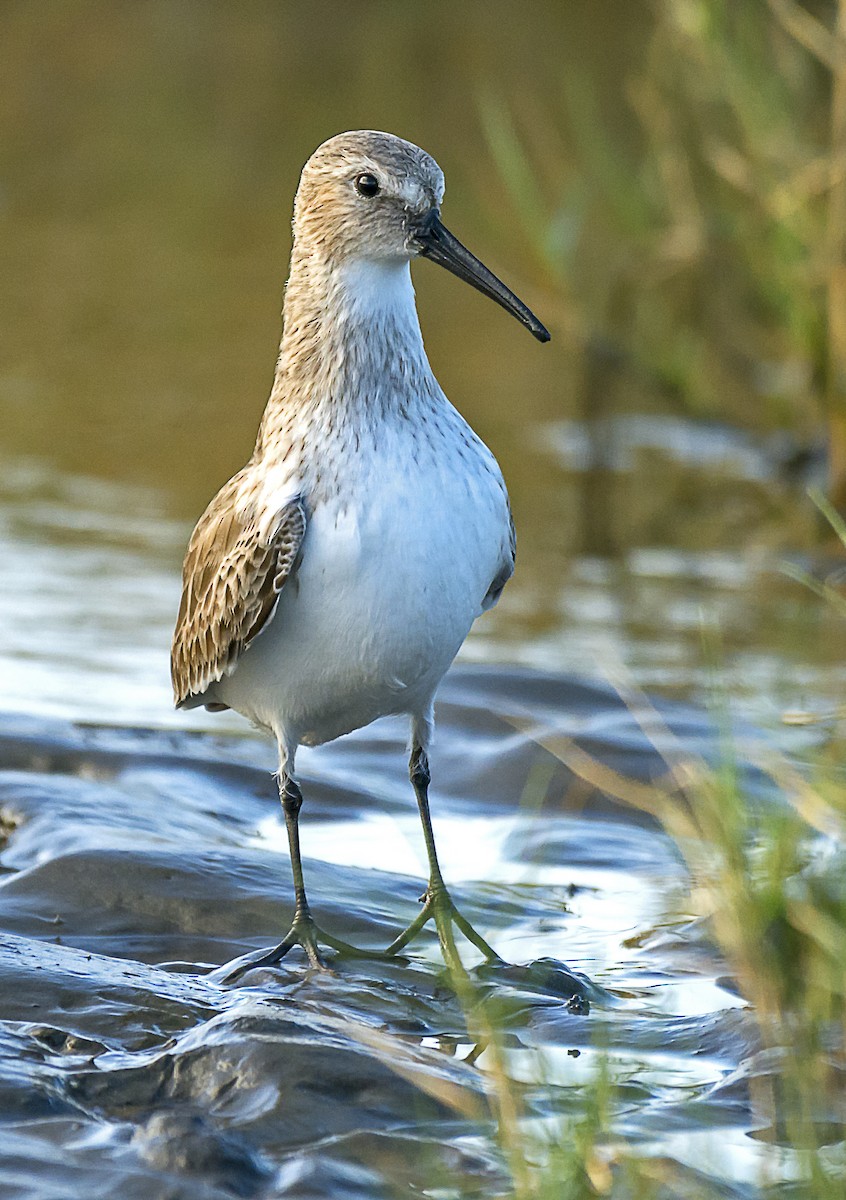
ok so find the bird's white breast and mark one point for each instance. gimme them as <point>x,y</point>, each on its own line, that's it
<point>408,525</point>
<point>394,572</point>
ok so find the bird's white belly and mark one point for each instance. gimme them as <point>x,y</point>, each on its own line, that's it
<point>387,590</point>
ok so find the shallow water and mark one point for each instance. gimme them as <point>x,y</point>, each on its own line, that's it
<point>140,854</point>
<point>664,616</point>
<point>137,859</point>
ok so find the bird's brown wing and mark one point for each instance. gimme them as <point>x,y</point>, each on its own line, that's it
<point>237,562</point>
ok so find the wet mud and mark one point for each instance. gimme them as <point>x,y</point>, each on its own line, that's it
<point>136,861</point>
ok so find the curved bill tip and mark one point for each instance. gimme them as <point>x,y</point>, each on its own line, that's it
<point>435,241</point>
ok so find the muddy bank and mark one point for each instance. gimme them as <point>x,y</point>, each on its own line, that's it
<point>135,860</point>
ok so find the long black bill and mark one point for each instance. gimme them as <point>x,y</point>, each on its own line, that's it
<point>436,242</point>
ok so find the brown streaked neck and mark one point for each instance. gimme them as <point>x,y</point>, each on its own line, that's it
<point>351,338</point>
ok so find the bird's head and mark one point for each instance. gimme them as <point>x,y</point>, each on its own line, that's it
<point>371,196</point>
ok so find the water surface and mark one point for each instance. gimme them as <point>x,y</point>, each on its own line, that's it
<point>136,860</point>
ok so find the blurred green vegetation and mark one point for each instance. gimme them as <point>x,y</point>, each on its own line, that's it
<point>768,882</point>
<point>702,250</point>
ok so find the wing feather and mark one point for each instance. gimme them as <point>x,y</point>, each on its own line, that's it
<point>236,565</point>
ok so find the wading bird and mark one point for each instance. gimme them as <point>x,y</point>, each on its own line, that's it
<point>333,579</point>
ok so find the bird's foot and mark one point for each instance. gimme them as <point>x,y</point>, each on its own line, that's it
<point>439,906</point>
<point>304,932</point>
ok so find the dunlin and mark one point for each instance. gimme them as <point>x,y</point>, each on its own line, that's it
<point>333,579</point>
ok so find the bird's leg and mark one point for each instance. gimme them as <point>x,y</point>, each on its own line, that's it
<point>438,905</point>
<point>303,932</point>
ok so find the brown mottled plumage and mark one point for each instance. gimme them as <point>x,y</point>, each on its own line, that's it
<point>235,567</point>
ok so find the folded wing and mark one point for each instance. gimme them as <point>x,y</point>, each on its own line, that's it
<point>238,560</point>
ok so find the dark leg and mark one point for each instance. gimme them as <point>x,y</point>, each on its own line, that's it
<point>437,902</point>
<point>303,932</point>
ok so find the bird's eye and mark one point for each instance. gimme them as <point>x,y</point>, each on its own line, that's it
<point>366,185</point>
